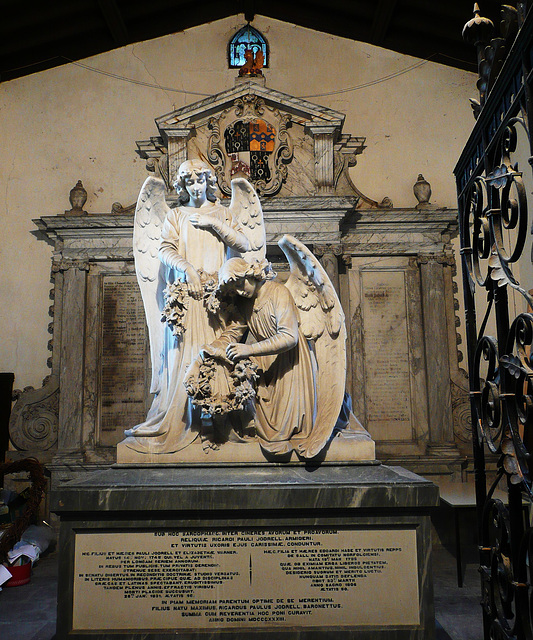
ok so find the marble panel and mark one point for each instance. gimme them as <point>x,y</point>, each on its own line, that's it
<point>385,339</point>
<point>387,353</point>
<point>122,359</point>
<point>228,578</point>
<point>301,179</point>
<point>326,486</point>
<point>437,357</point>
<point>417,356</point>
<point>91,378</point>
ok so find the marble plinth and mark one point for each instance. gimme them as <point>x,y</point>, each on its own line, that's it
<point>357,447</point>
<point>349,541</point>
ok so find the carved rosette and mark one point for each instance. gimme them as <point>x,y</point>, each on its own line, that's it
<point>250,140</point>
<point>35,417</point>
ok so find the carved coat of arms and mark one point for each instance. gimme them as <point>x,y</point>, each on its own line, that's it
<point>250,140</point>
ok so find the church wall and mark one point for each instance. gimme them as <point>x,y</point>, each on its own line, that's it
<point>71,123</point>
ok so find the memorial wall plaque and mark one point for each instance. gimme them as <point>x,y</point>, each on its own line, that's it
<point>386,352</point>
<point>225,578</point>
<point>123,369</point>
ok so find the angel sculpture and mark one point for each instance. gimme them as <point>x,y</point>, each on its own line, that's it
<point>299,347</point>
<point>178,254</point>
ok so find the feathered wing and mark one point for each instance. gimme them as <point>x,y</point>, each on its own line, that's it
<point>150,215</point>
<point>246,208</point>
<point>322,321</point>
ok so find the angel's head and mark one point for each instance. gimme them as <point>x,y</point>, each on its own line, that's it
<point>242,278</point>
<point>195,179</point>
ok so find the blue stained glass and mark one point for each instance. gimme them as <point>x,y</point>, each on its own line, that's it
<point>246,38</point>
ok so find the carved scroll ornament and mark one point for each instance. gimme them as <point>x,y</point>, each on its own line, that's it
<point>35,416</point>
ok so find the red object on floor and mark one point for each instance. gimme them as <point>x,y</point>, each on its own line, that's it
<point>20,575</point>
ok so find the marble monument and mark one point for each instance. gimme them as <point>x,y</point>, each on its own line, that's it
<point>220,498</point>
<point>206,283</point>
<point>392,268</point>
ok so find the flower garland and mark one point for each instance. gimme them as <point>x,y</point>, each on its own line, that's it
<point>241,381</point>
<point>176,295</point>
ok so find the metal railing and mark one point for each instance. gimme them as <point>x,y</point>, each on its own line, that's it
<point>494,182</point>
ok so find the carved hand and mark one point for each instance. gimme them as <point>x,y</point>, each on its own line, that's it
<point>237,350</point>
<point>215,352</point>
<point>202,220</point>
<point>194,284</point>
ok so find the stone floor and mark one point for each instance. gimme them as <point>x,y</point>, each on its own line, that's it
<point>28,612</point>
<point>457,610</point>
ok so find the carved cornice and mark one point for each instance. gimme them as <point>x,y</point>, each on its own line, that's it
<point>350,146</point>
<point>314,219</point>
<point>198,112</point>
<point>439,220</point>
<point>50,225</point>
<point>346,204</point>
<point>100,228</point>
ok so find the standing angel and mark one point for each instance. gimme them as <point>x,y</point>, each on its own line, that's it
<point>178,254</point>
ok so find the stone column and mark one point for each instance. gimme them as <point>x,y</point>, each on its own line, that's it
<point>441,440</point>
<point>324,137</point>
<point>328,256</point>
<point>71,359</point>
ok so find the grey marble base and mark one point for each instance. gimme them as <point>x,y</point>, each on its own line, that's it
<point>357,499</point>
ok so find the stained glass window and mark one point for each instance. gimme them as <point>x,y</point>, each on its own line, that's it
<point>246,38</point>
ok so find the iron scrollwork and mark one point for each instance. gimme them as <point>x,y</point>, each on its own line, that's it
<point>494,223</point>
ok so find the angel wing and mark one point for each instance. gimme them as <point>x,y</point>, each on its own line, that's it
<point>150,215</point>
<point>245,207</point>
<point>322,321</point>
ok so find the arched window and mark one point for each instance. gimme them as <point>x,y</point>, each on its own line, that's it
<point>246,38</point>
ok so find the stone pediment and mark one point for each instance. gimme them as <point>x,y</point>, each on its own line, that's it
<point>301,110</point>
<point>286,146</point>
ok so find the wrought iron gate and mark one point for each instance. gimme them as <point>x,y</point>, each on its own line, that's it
<point>494,183</point>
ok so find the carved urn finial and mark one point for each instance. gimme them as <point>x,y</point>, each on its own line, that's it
<point>422,191</point>
<point>77,198</point>
<point>478,30</point>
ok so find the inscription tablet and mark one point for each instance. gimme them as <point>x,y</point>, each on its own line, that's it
<point>218,579</point>
<point>386,353</point>
<point>123,359</point>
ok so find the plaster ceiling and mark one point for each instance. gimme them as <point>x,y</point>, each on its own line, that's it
<point>37,36</point>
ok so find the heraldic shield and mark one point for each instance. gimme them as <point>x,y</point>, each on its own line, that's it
<point>249,145</point>
<point>250,140</point>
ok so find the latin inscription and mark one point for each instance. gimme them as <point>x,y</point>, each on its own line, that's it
<point>123,360</point>
<point>212,579</point>
<point>386,355</point>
